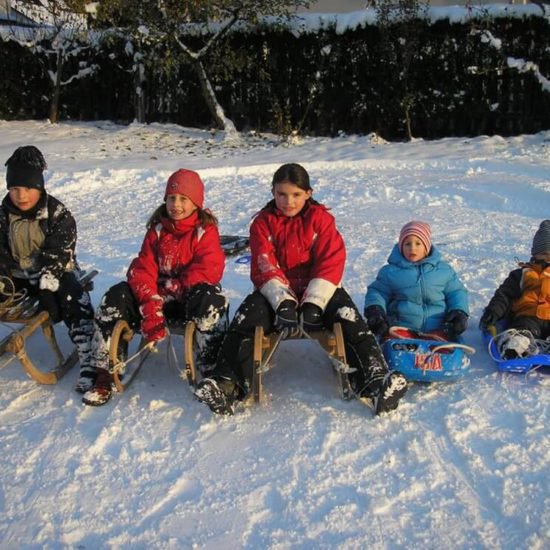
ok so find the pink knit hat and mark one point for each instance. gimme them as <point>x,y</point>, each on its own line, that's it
<point>418,229</point>
<point>188,183</point>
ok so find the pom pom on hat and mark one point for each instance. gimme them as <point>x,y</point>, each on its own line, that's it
<point>541,240</point>
<point>188,183</point>
<point>418,229</point>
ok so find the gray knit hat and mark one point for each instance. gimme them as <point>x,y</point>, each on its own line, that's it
<point>541,240</point>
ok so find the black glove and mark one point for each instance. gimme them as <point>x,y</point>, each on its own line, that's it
<point>48,302</point>
<point>456,321</point>
<point>487,319</point>
<point>286,315</point>
<point>311,317</point>
<point>377,320</point>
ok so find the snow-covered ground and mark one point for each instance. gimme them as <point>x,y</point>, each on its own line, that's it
<point>462,465</point>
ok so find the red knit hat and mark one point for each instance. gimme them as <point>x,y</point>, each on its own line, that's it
<point>418,229</point>
<point>188,183</point>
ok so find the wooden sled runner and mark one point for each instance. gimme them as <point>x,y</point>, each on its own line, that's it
<point>25,312</point>
<point>118,362</point>
<point>332,342</point>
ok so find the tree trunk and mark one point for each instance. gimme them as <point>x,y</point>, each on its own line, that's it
<point>140,93</point>
<point>56,90</point>
<point>216,110</point>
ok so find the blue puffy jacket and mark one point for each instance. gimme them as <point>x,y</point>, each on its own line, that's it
<point>417,295</point>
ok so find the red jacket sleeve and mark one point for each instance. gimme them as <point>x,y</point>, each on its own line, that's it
<point>329,258</point>
<point>329,251</point>
<point>208,261</point>
<point>143,273</point>
<point>264,264</point>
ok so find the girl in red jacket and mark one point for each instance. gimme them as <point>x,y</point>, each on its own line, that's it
<point>176,276</point>
<point>298,259</point>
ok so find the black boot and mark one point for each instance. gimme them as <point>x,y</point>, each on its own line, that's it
<point>101,391</point>
<point>394,387</point>
<point>218,394</point>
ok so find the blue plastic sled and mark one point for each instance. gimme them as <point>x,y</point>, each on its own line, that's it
<point>424,360</point>
<point>521,365</point>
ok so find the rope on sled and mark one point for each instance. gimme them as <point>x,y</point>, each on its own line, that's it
<point>121,365</point>
<point>427,359</point>
<point>536,346</point>
<point>172,358</point>
<point>10,298</point>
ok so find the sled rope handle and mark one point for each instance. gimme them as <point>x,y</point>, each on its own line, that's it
<point>543,346</point>
<point>121,365</point>
<point>9,297</point>
<point>7,361</point>
<point>393,332</point>
<point>172,358</point>
<point>454,345</point>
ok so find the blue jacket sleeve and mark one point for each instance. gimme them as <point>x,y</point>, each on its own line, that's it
<point>379,291</point>
<point>456,295</point>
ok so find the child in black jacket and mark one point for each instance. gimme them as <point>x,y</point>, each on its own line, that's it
<point>523,300</point>
<point>37,252</point>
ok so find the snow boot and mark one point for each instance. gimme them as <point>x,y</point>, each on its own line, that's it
<point>217,394</point>
<point>394,387</point>
<point>101,391</point>
<point>85,380</point>
<point>512,344</point>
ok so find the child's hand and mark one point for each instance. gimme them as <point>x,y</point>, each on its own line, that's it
<point>48,302</point>
<point>311,317</point>
<point>457,321</point>
<point>171,288</point>
<point>489,318</point>
<point>153,326</point>
<point>286,315</point>
<point>377,320</point>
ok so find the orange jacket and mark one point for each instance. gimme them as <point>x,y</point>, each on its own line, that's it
<point>535,296</point>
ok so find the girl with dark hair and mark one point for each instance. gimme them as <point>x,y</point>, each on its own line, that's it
<point>37,251</point>
<point>298,259</point>
<point>176,275</point>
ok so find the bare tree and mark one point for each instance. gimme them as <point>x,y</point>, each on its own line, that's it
<point>55,30</point>
<point>197,28</point>
<point>401,24</point>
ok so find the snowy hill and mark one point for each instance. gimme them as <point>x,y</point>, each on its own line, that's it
<point>460,466</point>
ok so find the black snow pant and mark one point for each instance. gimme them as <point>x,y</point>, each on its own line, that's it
<point>72,305</point>
<point>539,328</point>
<point>235,361</point>
<point>204,304</point>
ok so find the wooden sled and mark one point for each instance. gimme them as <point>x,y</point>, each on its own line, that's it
<point>123,335</point>
<point>331,341</point>
<point>26,313</point>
